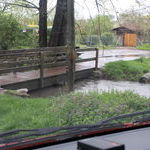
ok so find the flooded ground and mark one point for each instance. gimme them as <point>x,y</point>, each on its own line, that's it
<point>103,85</point>
<point>96,85</point>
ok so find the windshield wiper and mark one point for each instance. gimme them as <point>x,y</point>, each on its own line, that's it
<point>70,131</point>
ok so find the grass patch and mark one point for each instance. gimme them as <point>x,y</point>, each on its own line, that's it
<point>127,70</point>
<point>71,109</point>
<point>144,47</point>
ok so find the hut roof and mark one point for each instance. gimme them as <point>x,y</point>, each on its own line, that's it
<point>122,30</point>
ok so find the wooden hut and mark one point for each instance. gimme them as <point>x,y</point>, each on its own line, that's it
<point>126,36</point>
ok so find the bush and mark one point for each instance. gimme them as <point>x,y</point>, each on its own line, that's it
<point>107,38</point>
<point>27,39</point>
<point>9,31</point>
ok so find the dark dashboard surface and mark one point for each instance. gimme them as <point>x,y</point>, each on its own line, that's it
<point>138,139</point>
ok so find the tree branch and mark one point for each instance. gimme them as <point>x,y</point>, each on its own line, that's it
<point>21,5</point>
<point>26,1</point>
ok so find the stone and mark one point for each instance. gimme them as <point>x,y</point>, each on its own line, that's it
<point>2,91</point>
<point>19,92</point>
<point>145,78</point>
<point>98,73</point>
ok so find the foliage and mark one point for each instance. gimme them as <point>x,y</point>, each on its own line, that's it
<point>107,38</point>
<point>27,39</point>
<point>144,47</point>
<point>71,109</point>
<point>9,31</point>
<point>102,23</point>
<point>127,70</point>
<point>91,29</point>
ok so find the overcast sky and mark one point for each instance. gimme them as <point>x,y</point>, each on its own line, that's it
<point>120,6</point>
<point>84,8</point>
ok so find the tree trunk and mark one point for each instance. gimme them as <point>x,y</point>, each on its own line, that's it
<point>58,33</point>
<point>43,23</point>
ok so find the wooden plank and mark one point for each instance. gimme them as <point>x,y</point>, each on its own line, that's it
<point>28,68</point>
<point>130,39</point>
<point>57,64</point>
<point>54,49</point>
<point>86,50</point>
<point>86,60</point>
<point>30,54</point>
<point>96,61</point>
<point>18,63</point>
<point>41,69</point>
<point>19,69</point>
<point>20,54</point>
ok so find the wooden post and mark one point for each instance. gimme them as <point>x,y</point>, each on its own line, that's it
<point>96,61</point>
<point>71,43</point>
<point>41,69</point>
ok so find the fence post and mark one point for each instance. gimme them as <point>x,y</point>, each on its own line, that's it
<point>41,69</point>
<point>96,61</point>
<point>71,68</point>
<point>70,40</point>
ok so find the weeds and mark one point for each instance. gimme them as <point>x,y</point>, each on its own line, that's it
<point>71,109</point>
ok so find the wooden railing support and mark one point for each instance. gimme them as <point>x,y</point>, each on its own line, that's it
<point>41,69</point>
<point>96,61</point>
<point>71,68</point>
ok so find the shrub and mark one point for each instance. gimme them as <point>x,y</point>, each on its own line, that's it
<point>9,31</point>
<point>107,38</point>
<point>27,39</point>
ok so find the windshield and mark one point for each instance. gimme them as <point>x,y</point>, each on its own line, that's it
<point>68,68</point>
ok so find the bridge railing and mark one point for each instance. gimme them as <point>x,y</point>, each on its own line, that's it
<point>25,60</point>
<point>89,59</point>
<point>12,61</point>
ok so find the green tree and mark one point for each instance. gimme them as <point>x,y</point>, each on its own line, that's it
<point>107,38</point>
<point>9,31</point>
<point>101,23</point>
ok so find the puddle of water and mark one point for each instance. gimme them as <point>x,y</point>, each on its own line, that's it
<point>96,85</point>
<point>106,85</point>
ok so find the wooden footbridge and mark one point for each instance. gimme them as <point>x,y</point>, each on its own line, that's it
<point>42,67</point>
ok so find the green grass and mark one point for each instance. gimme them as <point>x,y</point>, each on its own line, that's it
<point>144,47</point>
<point>71,109</point>
<point>127,70</point>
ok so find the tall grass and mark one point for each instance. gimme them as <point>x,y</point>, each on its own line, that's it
<point>71,109</point>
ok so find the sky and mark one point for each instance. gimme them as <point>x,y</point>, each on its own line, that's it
<point>85,8</point>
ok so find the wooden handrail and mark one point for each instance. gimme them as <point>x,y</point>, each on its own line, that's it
<point>54,49</point>
<point>85,49</point>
